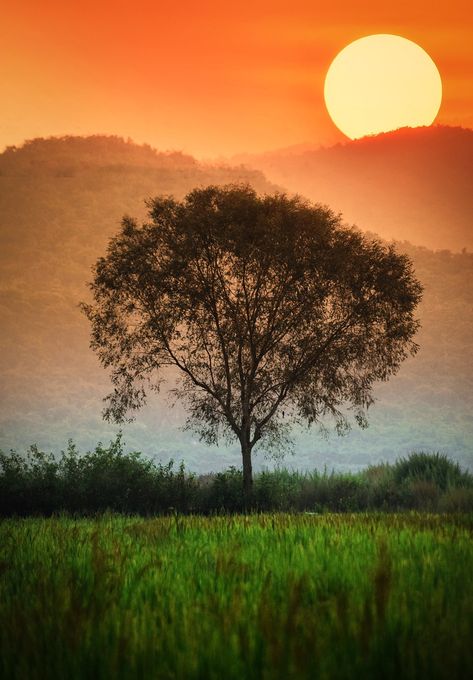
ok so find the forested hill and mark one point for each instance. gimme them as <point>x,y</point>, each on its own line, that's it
<point>61,200</point>
<point>414,183</point>
<point>66,156</point>
<point>66,196</point>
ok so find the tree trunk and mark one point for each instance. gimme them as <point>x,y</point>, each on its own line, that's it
<point>247,475</point>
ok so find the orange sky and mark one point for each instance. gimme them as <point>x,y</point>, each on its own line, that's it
<point>211,78</point>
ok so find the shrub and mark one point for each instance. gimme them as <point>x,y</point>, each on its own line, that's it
<point>384,493</point>
<point>457,500</point>
<point>222,493</point>
<point>308,497</point>
<point>277,490</point>
<point>29,485</point>
<point>431,467</point>
<point>341,493</point>
<point>422,494</point>
<point>104,479</point>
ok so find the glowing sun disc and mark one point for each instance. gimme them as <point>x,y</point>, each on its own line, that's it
<point>382,82</point>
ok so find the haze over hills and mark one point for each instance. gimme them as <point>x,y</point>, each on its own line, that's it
<point>414,183</point>
<point>61,200</point>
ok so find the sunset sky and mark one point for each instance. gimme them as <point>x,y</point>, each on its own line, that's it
<point>211,78</point>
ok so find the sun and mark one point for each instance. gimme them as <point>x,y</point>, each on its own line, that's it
<point>380,83</point>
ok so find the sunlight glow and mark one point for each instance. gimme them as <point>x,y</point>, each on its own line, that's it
<point>380,83</point>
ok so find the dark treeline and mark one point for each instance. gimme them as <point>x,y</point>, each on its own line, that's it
<point>110,479</point>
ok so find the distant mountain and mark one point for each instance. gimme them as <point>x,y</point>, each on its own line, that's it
<point>61,200</point>
<point>414,183</point>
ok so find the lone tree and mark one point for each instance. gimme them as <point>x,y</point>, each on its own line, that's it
<point>272,311</point>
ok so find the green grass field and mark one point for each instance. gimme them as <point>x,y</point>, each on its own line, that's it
<point>268,596</point>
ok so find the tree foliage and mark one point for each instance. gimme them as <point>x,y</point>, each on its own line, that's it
<point>271,309</point>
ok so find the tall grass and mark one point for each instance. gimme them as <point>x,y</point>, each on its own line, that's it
<point>265,596</point>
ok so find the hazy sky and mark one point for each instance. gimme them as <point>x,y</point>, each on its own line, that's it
<point>207,77</point>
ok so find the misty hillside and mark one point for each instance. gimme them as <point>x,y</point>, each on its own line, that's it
<point>61,199</point>
<point>68,195</point>
<point>414,183</point>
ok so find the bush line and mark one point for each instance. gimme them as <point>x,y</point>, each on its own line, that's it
<point>109,479</point>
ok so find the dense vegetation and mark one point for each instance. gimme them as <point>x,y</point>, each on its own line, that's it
<point>264,597</point>
<point>108,478</point>
<point>61,200</point>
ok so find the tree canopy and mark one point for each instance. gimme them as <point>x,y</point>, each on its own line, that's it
<point>271,309</point>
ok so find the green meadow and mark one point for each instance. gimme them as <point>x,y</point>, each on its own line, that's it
<point>257,596</point>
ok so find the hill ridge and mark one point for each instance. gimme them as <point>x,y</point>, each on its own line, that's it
<point>414,183</point>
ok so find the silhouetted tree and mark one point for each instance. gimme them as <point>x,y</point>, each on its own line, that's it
<point>272,311</point>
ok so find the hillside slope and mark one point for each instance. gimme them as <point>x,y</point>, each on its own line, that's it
<point>60,200</point>
<point>411,184</point>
